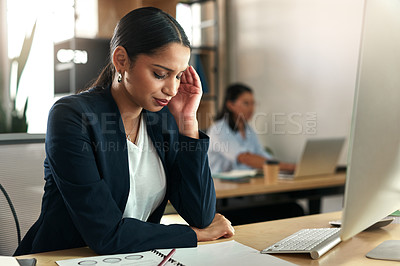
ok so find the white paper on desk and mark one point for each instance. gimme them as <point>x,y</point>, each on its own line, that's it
<point>147,258</point>
<point>224,253</point>
<point>235,174</point>
<point>9,261</point>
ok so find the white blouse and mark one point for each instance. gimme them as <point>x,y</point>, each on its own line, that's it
<point>147,177</point>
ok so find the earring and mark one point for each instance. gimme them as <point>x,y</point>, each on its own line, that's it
<point>119,77</point>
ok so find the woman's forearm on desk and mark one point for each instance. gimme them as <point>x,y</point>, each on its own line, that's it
<point>220,227</point>
<point>257,161</point>
<point>251,159</point>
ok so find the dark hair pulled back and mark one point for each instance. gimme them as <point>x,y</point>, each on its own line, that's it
<point>232,93</point>
<point>142,31</point>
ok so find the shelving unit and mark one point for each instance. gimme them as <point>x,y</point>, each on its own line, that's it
<point>200,20</point>
<point>77,62</point>
<point>110,12</point>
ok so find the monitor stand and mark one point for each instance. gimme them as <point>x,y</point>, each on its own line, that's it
<point>387,250</point>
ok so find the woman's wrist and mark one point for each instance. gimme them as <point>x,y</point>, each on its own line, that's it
<point>219,227</point>
<point>188,126</point>
<point>196,231</point>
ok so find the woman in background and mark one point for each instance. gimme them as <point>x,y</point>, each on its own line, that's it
<point>233,143</point>
<point>118,152</point>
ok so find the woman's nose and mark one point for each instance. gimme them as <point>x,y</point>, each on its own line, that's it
<point>171,87</point>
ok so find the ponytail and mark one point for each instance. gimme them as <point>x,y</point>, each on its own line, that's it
<point>106,76</point>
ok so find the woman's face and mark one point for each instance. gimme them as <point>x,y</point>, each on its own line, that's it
<point>154,79</point>
<point>243,106</point>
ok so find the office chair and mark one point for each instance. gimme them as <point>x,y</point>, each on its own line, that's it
<point>14,215</point>
<point>21,178</point>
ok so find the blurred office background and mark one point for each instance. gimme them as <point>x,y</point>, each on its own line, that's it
<point>299,56</point>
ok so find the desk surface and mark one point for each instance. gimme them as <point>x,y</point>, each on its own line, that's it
<point>351,252</point>
<point>261,235</point>
<point>226,189</point>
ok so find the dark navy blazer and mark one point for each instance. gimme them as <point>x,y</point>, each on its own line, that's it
<point>87,181</point>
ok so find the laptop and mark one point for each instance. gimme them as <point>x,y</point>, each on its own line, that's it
<point>319,157</point>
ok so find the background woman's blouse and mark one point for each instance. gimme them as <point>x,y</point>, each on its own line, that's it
<point>226,145</point>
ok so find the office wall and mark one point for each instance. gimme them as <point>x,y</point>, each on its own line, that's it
<point>300,57</point>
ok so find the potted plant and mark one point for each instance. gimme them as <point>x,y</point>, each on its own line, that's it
<point>18,121</point>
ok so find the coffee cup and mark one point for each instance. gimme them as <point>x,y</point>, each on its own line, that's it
<point>271,171</point>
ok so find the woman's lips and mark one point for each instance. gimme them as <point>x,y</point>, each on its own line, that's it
<point>161,102</point>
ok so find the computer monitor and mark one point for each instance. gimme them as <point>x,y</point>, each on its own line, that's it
<point>373,178</point>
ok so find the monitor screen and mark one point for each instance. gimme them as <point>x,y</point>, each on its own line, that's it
<point>373,178</point>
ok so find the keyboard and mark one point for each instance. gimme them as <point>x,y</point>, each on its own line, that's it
<point>316,241</point>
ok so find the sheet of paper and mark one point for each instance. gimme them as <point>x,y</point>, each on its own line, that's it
<point>147,258</point>
<point>9,261</point>
<point>236,174</point>
<point>224,253</point>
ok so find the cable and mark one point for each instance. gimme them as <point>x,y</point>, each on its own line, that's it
<point>13,212</point>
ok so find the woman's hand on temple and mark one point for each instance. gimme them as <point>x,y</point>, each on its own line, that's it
<point>219,227</point>
<point>185,103</point>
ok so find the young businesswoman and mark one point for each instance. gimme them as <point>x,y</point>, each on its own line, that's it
<point>233,143</point>
<point>118,152</point>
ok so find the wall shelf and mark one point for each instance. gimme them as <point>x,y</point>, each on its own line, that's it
<point>200,21</point>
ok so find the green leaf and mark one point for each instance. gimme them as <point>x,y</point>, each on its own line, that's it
<point>25,50</point>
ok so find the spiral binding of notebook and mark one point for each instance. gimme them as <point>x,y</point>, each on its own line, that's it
<point>174,262</point>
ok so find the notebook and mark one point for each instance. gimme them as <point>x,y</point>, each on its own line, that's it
<point>146,258</point>
<point>215,254</point>
<point>319,157</point>
<point>236,174</point>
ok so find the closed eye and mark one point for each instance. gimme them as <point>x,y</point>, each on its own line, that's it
<point>159,76</point>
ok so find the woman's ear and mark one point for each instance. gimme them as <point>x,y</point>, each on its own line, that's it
<point>230,105</point>
<point>120,59</point>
